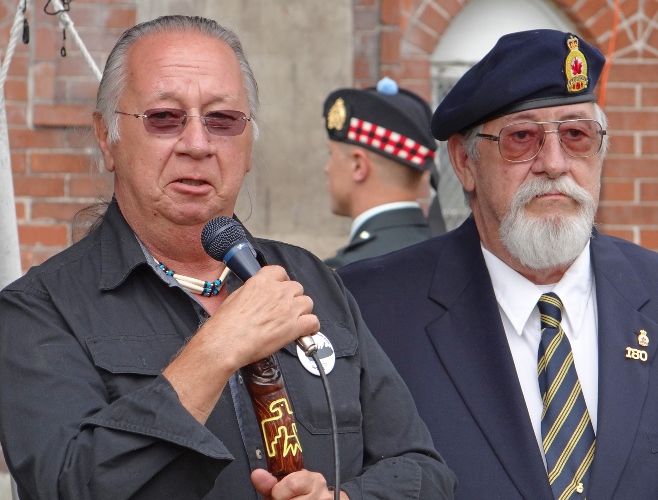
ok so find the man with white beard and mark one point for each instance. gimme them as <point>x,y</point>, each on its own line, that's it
<point>525,335</point>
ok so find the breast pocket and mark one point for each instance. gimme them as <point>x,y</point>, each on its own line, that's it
<point>307,392</point>
<point>128,362</point>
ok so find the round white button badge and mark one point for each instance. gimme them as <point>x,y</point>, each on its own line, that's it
<point>326,355</point>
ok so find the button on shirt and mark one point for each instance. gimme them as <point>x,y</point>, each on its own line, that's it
<point>517,300</point>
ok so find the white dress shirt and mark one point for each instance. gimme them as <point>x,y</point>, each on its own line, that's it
<point>362,217</point>
<point>517,300</point>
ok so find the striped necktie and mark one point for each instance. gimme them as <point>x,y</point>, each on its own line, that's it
<point>567,433</point>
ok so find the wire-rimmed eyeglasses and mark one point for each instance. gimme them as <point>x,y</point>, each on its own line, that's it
<point>171,121</point>
<point>519,142</point>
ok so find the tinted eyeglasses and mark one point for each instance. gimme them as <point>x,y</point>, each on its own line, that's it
<point>519,142</point>
<point>170,121</point>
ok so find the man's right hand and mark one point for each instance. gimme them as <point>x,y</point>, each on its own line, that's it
<point>268,312</point>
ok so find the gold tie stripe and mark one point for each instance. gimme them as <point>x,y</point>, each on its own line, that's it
<point>567,434</point>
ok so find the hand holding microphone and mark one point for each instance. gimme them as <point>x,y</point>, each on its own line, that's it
<point>264,315</point>
<point>224,239</point>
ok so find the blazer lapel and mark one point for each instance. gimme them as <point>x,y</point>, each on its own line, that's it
<point>623,382</point>
<point>470,340</point>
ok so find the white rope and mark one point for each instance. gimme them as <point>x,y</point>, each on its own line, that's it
<point>16,31</point>
<point>10,252</point>
<point>66,23</point>
<point>10,255</point>
<point>10,258</point>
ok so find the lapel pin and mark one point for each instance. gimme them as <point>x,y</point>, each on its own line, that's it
<point>636,354</point>
<point>643,338</point>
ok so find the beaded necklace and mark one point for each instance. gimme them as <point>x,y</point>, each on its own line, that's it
<point>200,287</point>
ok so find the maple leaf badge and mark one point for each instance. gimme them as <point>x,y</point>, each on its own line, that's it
<point>575,67</point>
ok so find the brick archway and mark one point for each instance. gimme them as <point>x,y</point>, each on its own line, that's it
<point>396,38</point>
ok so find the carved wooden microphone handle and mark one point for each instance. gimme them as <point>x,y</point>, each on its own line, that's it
<point>271,403</point>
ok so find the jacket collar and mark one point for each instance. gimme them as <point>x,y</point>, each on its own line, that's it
<point>397,206</point>
<point>410,216</point>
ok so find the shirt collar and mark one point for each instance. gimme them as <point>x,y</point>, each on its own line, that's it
<point>575,290</point>
<point>518,296</point>
<point>122,251</point>
<point>361,218</point>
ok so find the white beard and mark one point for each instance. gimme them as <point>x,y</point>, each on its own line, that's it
<point>549,242</point>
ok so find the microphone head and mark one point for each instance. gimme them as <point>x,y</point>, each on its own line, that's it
<point>220,234</point>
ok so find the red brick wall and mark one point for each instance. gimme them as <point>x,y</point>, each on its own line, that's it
<point>49,100</point>
<point>396,38</point>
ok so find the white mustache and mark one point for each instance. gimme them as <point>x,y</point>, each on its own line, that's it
<point>539,186</point>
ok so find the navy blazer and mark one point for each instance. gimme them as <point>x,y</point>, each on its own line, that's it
<point>432,308</point>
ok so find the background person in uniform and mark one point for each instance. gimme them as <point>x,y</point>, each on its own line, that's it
<point>381,153</point>
<point>527,338</point>
<point>119,380</point>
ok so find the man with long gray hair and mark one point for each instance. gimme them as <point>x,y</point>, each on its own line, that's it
<point>122,378</point>
<point>525,335</point>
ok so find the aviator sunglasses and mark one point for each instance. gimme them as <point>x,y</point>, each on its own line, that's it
<point>172,121</point>
<point>518,142</point>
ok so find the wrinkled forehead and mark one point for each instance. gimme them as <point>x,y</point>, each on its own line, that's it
<point>170,64</point>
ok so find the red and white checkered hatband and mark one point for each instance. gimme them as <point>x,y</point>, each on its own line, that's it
<point>388,141</point>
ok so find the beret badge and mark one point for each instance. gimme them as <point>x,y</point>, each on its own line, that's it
<point>337,115</point>
<point>575,67</point>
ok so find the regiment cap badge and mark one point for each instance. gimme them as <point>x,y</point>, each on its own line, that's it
<point>575,67</point>
<point>337,115</point>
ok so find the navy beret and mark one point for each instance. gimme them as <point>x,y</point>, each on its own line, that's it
<point>391,121</point>
<point>524,70</point>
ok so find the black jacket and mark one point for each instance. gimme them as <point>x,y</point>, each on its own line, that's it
<point>86,414</point>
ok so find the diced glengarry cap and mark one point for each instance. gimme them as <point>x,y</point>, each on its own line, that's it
<point>388,120</point>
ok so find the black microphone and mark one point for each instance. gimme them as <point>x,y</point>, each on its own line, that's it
<point>224,239</point>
